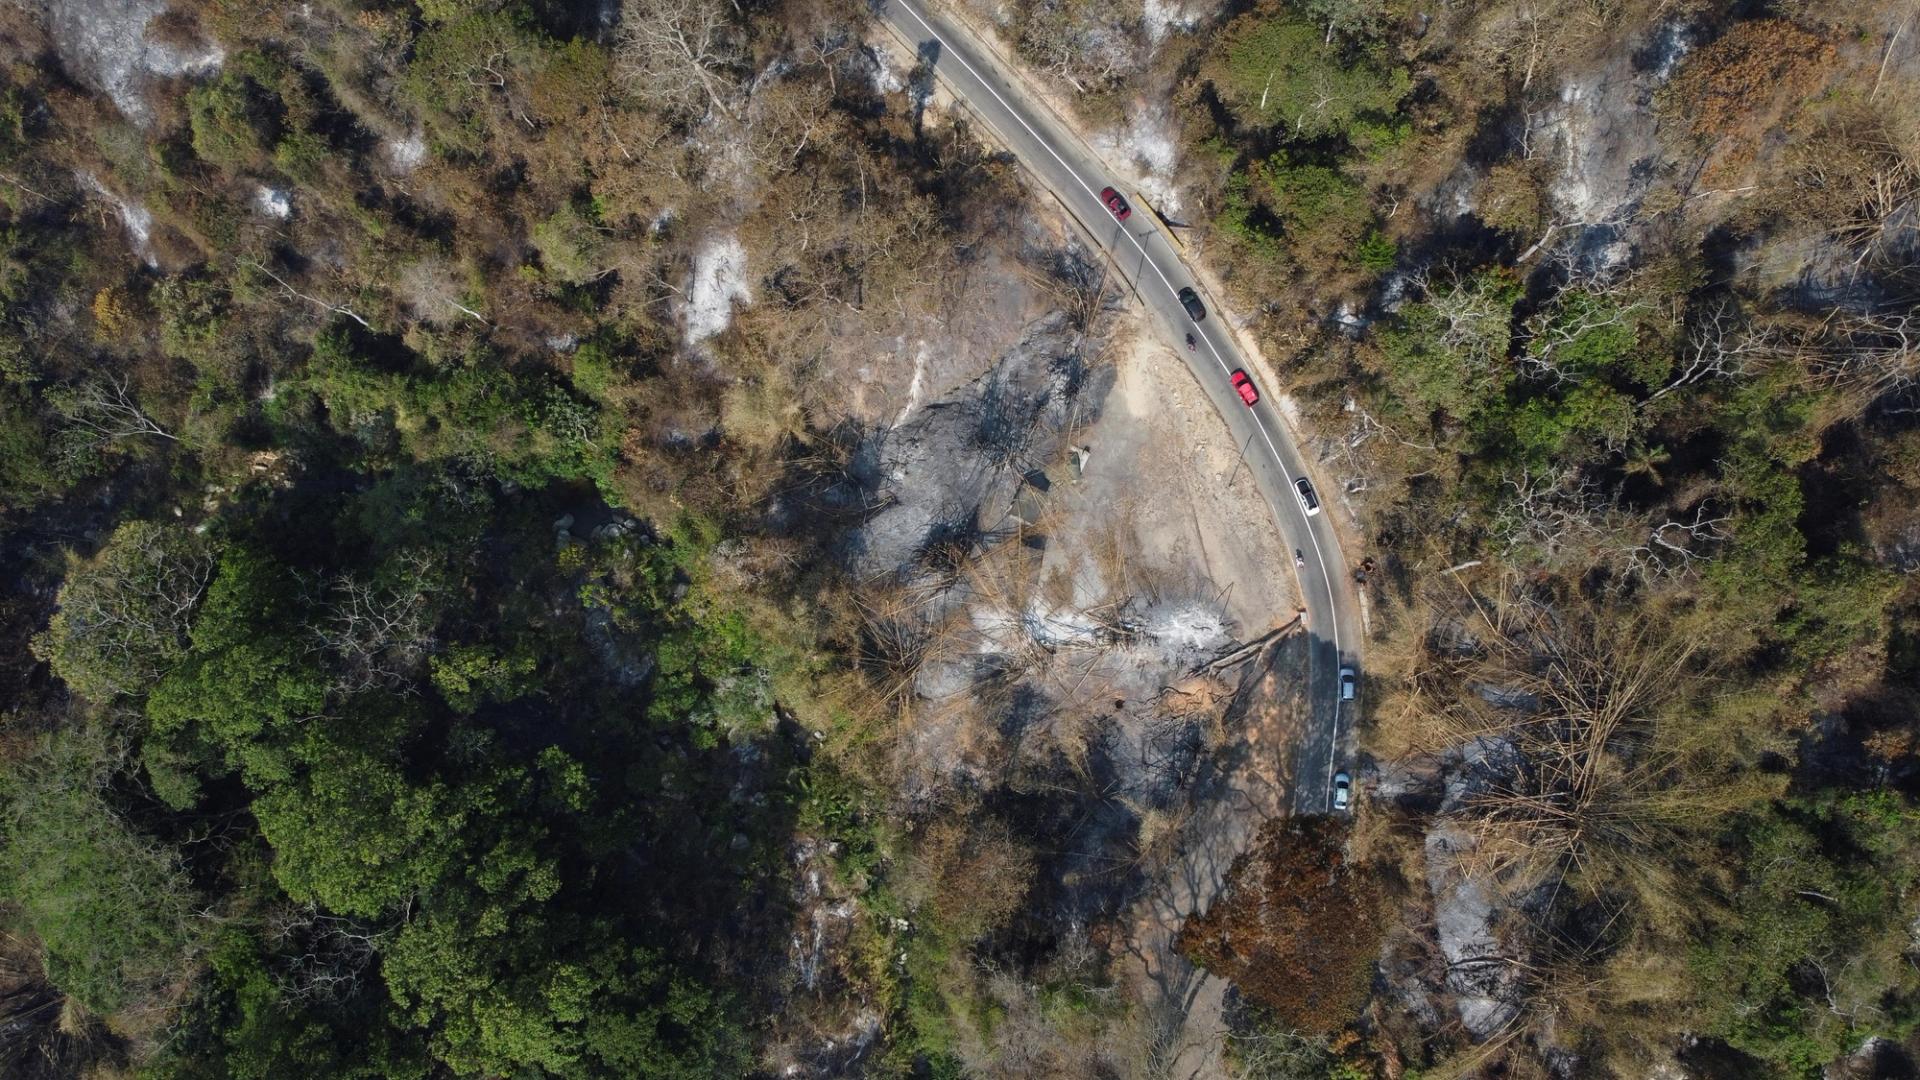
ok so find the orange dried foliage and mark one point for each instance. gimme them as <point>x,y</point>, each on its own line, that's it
<point>1295,930</point>
<point>1742,86</point>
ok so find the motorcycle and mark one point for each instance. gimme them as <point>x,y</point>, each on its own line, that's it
<point>1299,559</point>
<point>1190,343</point>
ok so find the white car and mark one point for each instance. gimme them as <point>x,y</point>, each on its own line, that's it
<point>1308,500</point>
<point>1342,790</point>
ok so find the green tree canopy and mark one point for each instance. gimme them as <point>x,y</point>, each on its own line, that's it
<point>1447,354</point>
<point>125,613</point>
<point>1273,68</point>
<point>112,908</point>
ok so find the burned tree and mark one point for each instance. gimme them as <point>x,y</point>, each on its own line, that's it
<point>1616,763</point>
<point>679,54</point>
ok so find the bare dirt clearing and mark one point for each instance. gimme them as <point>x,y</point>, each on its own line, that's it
<point>1162,466</point>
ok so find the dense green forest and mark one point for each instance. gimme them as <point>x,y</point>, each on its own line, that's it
<point>431,648</point>
<point>331,755</point>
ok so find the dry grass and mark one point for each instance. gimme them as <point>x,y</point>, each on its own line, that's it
<point>1618,773</point>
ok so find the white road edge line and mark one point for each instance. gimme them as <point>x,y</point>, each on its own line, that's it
<point>1334,748</point>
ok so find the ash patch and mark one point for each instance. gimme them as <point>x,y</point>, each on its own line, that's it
<point>1147,143</point>
<point>108,45</point>
<point>719,280</point>
<point>135,216</point>
<point>1480,961</point>
<point>950,472</point>
<point>1604,132</point>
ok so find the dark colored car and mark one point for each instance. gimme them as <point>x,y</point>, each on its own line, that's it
<point>1191,301</point>
<point>1117,205</point>
<point>1308,500</point>
<point>1245,386</point>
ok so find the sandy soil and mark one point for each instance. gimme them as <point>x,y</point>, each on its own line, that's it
<point>1163,469</point>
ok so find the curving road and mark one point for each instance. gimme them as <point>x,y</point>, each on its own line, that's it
<point>1057,158</point>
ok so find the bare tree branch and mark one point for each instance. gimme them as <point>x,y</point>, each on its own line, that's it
<point>678,54</point>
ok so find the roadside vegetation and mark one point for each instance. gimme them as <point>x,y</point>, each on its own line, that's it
<point>1603,315</point>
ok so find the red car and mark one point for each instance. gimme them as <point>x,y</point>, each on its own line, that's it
<point>1116,204</point>
<point>1245,385</point>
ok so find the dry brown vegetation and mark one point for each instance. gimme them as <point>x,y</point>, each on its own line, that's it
<point>1296,929</point>
<point>1613,716</point>
<point>1743,86</point>
<point>970,871</point>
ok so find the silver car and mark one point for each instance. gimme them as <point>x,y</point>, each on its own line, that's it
<point>1349,683</point>
<point>1342,790</point>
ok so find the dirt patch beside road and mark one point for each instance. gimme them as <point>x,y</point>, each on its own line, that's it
<point>1163,471</point>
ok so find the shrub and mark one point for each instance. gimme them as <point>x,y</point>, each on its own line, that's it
<point>1239,220</point>
<point>27,472</point>
<point>444,11</point>
<point>113,313</point>
<point>1377,253</point>
<point>1510,199</point>
<point>571,245</point>
<point>235,121</point>
<point>1292,930</point>
<point>576,80</point>
<point>468,676</point>
<point>597,371</point>
<point>464,69</point>
<point>1325,213</point>
<point>195,322</point>
<point>1755,62</point>
<point>969,875</point>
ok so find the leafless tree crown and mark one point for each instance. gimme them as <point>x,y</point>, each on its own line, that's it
<point>679,54</point>
<point>378,630</point>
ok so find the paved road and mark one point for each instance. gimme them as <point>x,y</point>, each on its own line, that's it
<point>1060,161</point>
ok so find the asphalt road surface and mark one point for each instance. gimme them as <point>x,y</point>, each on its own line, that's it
<point>1056,158</point>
